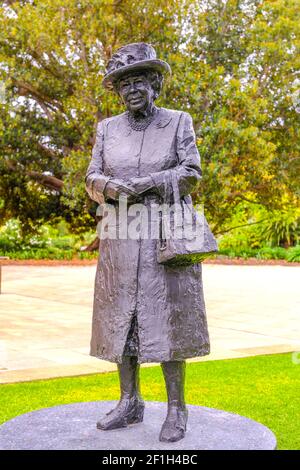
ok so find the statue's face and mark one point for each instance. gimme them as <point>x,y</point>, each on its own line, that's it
<point>136,92</point>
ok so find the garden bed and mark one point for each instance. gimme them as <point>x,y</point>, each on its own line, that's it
<point>88,262</point>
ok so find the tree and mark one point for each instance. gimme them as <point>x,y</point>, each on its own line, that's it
<point>241,66</point>
<point>234,69</point>
<point>53,56</point>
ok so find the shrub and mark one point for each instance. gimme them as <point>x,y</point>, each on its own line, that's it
<point>293,254</point>
<point>10,236</point>
<point>282,229</point>
<point>271,253</point>
<point>51,242</point>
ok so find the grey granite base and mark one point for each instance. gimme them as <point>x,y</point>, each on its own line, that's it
<point>74,427</point>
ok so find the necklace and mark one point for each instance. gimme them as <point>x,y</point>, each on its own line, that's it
<point>140,124</point>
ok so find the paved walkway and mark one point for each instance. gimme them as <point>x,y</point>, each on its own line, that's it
<point>45,317</point>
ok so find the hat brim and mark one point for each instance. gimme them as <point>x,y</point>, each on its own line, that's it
<point>154,64</point>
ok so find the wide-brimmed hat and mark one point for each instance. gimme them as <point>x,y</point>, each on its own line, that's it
<point>136,56</point>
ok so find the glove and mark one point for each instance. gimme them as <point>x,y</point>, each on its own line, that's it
<point>117,187</point>
<point>141,184</point>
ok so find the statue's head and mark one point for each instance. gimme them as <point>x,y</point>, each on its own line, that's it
<point>136,75</point>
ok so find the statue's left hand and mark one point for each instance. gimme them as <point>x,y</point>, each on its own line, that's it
<point>141,184</point>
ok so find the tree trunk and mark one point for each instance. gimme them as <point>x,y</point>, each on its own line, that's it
<point>93,246</point>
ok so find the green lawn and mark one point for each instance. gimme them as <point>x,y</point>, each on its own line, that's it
<point>264,388</point>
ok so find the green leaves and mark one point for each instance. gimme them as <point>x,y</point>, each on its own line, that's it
<point>235,66</point>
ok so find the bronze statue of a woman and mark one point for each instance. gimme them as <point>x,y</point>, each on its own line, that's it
<point>144,311</point>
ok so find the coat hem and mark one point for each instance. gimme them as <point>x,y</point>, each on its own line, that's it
<point>204,351</point>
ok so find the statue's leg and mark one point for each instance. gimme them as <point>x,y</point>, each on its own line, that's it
<point>174,426</point>
<point>130,408</point>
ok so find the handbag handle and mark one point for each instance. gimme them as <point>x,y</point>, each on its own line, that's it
<point>175,187</point>
<point>171,191</point>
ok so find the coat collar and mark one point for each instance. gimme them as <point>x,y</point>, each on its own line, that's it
<point>163,119</point>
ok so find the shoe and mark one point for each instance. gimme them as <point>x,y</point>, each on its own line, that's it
<point>174,427</point>
<point>128,411</point>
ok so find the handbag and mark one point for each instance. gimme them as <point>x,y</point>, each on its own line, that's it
<point>185,237</point>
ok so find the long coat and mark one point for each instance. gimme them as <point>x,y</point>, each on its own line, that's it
<point>168,301</point>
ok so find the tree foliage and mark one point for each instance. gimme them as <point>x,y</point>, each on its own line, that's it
<point>235,67</point>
